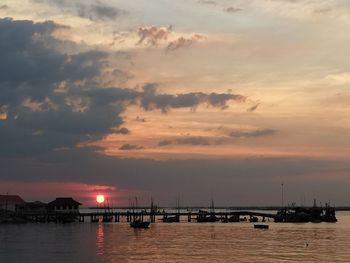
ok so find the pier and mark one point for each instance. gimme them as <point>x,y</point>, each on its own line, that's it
<point>172,215</point>
<point>160,215</point>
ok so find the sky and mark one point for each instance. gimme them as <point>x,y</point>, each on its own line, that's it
<point>197,100</point>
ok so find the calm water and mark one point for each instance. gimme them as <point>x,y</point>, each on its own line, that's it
<point>183,242</point>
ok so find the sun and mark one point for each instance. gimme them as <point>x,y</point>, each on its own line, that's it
<point>100,198</point>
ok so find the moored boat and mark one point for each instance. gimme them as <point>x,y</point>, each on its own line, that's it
<point>139,224</point>
<point>171,219</point>
<point>261,226</point>
<point>313,214</point>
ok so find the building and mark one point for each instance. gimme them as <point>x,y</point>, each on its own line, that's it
<point>9,202</point>
<point>29,208</point>
<point>64,205</point>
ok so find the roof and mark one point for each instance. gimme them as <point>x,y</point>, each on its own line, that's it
<point>61,201</point>
<point>11,199</point>
<point>34,204</point>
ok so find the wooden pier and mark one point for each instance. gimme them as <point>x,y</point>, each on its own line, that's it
<point>171,215</point>
<point>145,215</point>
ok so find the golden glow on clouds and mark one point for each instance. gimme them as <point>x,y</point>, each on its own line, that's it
<point>290,57</point>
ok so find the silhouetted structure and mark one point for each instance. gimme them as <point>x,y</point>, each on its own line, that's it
<point>205,217</point>
<point>64,205</point>
<point>9,202</point>
<point>306,214</point>
<point>29,208</point>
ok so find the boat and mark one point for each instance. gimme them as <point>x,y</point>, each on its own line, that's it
<point>175,218</point>
<point>139,224</point>
<point>313,214</point>
<point>137,219</point>
<point>107,218</point>
<point>207,217</point>
<point>261,226</point>
<point>171,219</point>
<point>234,218</point>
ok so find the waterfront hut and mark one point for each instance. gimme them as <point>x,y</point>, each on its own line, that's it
<point>64,205</point>
<point>9,202</point>
<point>29,208</point>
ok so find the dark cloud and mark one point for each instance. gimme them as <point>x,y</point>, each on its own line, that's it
<point>252,134</point>
<point>193,141</point>
<point>51,99</point>
<point>99,12</point>
<point>184,42</point>
<point>164,142</point>
<point>123,131</point>
<point>151,35</point>
<point>4,7</point>
<point>30,71</point>
<point>152,100</point>
<point>235,181</point>
<point>253,108</point>
<point>126,147</point>
<point>232,9</point>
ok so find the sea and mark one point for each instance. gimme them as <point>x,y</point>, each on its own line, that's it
<point>176,242</point>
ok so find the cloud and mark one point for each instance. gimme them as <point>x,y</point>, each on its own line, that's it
<point>168,178</point>
<point>193,141</point>
<point>2,7</point>
<point>164,142</point>
<point>140,119</point>
<point>127,147</point>
<point>339,78</point>
<point>253,108</point>
<point>151,35</point>
<point>252,134</point>
<point>122,131</point>
<point>99,12</point>
<point>207,2</point>
<point>152,100</point>
<point>321,11</point>
<point>94,11</point>
<point>232,9</point>
<point>40,118</point>
<point>184,42</point>
<point>53,100</point>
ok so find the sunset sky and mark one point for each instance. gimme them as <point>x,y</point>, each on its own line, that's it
<point>222,99</point>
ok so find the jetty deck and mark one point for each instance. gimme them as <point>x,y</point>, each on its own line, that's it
<point>147,215</point>
<point>168,215</point>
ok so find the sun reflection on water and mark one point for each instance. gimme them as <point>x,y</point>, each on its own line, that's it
<point>100,240</point>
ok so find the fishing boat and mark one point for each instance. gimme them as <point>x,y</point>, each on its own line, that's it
<point>139,224</point>
<point>171,219</point>
<point>261,226</point>
<point>137,219</point>
<point>313,214</point>
<point>175,218</point>
<point>108,214</point>
<point>207,217</point>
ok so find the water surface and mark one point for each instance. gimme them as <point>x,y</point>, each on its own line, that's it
<point>182,242</point>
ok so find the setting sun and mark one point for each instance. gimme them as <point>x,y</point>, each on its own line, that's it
<point>100,199</point>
